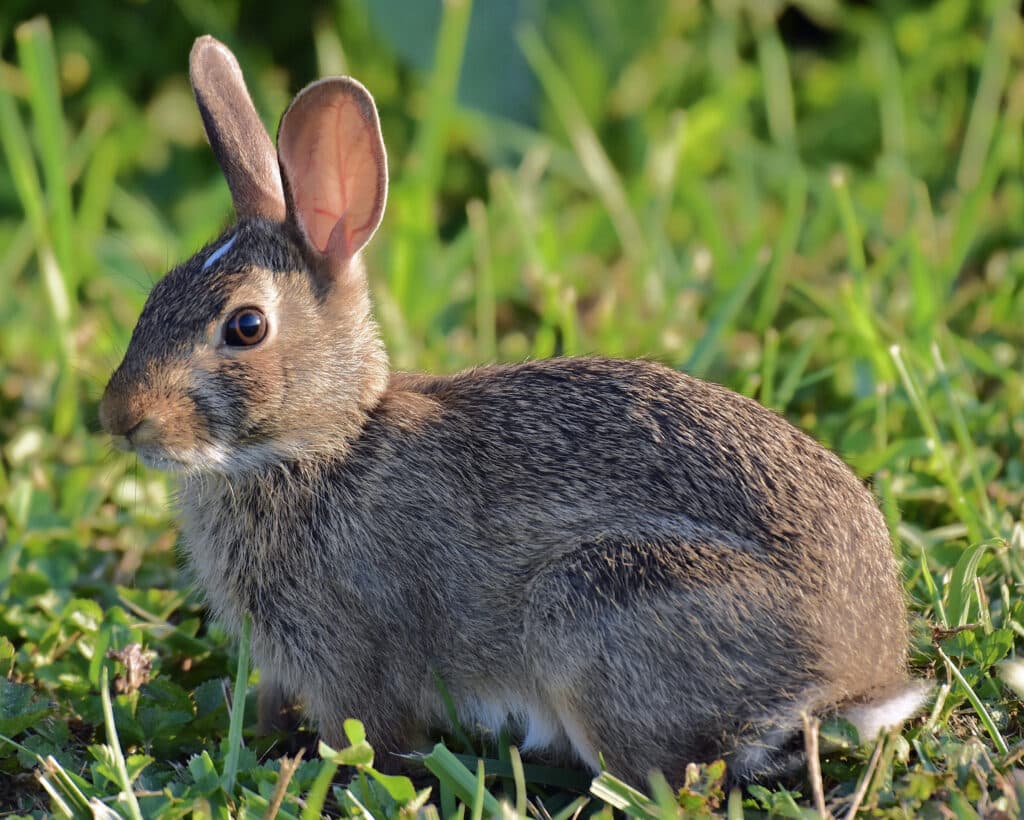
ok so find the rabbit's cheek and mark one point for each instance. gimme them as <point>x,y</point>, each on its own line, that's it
<point>238,397</point>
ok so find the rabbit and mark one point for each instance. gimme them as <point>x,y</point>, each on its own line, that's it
<point>625,566</point>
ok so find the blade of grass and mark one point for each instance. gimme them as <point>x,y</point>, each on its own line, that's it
<point>696,199</point>
<point>975,701</point>
<point>35,48</point>
<point>115,745</point>
<point>883,486</point>
<point>569,812</point>
<point>724,317</point>
<point>330,53</point>
<point>22,166</point>
<point>865,780</point>
<point>785,246</point>
<point>543,775</point>
<point>933,592</point>
<point>960,594</point>
<point>940,703</point>
<point>520,780</point>
<point>663,795</point>
<point>448,799</point>
<point>926,296</point>
<point>486,322</point>
<point>964,439</point>
<point>778,90</point>
<point>20,247</point>
<point>237,709</point>
<point>857,300</point>
<point>63,787</point>
<point>972,207</point>
<point>416,239</point>
<point>877,41</point>
<point>595,162</point>
<point>796,367</point>
<point>511,195</point>
<point>663,161</point>
<point>769,363</point>
<point>734,805</point>
<point>57,801</point>
<point>883,771</point>
<point>851,228</point>
<point>317,794</point>
<point>478,795</point>
<point>451,712</point>
<point>98,188</point>
<point>981,123</point>
<point>946,472</point>
<point>622,796</point>
<point>447,768</point>
<point>65,402</point>
<point>38,60</point>
<point>427,159</point>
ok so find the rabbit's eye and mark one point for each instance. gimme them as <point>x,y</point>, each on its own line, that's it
<point>245,328</point>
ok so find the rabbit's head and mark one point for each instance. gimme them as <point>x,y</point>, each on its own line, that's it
<point>261,346</point>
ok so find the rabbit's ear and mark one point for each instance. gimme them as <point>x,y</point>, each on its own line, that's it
<point>334,167</point>
<point>239,141</point>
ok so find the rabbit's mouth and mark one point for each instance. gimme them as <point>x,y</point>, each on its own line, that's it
<point>149,440</point>
<point>150,453</point>
<point>159,458</point>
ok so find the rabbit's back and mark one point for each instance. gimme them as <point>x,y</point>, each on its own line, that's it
<point>589,444</point>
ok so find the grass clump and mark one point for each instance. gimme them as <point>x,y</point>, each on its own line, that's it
<point>817,204</point>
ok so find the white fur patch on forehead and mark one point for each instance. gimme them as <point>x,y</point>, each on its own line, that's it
<point>217,254</point>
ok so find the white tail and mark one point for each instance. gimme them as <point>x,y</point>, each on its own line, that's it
<point>887,712</point>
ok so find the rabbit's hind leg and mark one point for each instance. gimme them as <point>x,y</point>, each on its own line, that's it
<point>656,652</point>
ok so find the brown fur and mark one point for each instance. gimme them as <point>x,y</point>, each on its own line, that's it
<point>612,557</point>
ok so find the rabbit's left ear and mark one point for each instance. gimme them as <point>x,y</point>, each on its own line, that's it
<point>334,167</point>
<point>239,141</point>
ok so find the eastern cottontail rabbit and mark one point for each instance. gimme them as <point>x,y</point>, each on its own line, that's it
<point>610,557</point>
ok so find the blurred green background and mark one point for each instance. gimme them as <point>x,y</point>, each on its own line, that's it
<point>817,203</point>
<point>662,134</point>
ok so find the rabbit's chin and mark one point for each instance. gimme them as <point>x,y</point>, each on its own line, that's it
<point>211,457</point>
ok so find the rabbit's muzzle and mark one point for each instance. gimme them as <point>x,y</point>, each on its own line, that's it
<point>154,417</point>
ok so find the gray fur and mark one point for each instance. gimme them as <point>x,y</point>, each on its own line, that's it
<point>613,557</point>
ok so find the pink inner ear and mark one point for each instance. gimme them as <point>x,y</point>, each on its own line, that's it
<point>331,152</point>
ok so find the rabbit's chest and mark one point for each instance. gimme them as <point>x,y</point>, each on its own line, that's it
<point>292,561</point>
<point>246,550</point>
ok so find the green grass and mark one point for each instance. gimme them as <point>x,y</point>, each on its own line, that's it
<point>836,229</point>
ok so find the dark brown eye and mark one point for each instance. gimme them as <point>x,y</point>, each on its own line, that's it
<point>245,328</point>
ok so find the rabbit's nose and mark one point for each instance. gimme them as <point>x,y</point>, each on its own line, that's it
<point>121,415</point>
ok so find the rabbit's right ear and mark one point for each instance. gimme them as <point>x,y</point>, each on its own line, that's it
<point>334,168</point>
<point>239,141</point>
